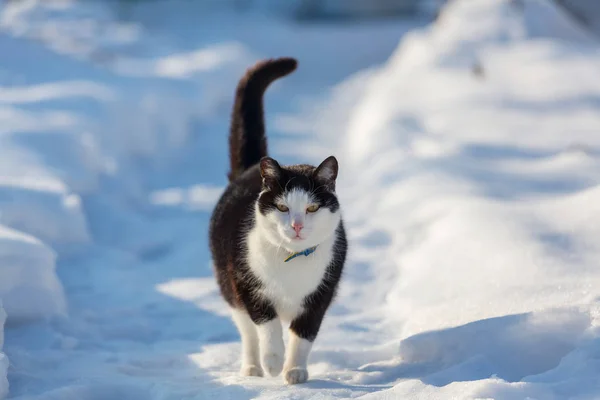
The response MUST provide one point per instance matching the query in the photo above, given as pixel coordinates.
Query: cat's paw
(251, 370)
(273, 363)
(296, 375)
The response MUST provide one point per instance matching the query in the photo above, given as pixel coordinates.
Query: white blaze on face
(297, 201)
(317, 226)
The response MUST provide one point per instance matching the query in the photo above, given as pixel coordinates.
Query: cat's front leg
(296, 362)
(272, 350)
(303, 331)
(268, 331)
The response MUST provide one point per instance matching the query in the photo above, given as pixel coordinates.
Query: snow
(584, 11)
(469, 181)
(3, 359)
(29, 288)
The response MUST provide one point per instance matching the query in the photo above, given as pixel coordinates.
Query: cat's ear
(327, 172)
(270, 171)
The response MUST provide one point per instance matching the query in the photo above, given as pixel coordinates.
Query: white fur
(295, 369)
(277, 228)
(286, 284)
(272, 350)
(327, 171)
(250, 346)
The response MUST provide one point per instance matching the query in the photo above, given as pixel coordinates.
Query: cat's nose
(297, 226)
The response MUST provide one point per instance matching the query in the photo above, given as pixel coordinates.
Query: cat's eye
(312, 208)
(282, 208)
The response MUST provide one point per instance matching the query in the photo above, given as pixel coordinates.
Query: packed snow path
(470, 173)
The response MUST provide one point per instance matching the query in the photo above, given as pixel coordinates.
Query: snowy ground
(470, 180)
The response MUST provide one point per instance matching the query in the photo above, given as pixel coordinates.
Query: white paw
(296, 375)
(273, 363)
(251, 370)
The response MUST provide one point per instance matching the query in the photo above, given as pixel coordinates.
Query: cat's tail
(247, 141)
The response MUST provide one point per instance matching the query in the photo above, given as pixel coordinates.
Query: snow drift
(3, 359)
(477, 143)
(29, 288)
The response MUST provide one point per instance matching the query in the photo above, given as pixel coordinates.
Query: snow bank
(81, 32)
(476, 143)
(48, 215)
(63, 133)
(44, 165)
(3, 359)
(29, 288)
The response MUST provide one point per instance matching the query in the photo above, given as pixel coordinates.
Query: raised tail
(247, 141)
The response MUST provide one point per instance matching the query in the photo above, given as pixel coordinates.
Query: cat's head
(298, 208)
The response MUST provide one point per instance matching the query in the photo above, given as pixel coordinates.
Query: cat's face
(298, 208)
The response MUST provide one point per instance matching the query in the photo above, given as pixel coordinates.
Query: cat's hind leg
(250, 345)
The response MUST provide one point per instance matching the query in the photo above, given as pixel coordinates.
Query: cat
(277, 239)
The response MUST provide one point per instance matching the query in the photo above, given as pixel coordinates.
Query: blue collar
(306, 252)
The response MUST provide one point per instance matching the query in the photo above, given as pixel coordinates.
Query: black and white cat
(276, 237)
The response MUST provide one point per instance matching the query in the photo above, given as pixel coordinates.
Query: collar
(306, 252)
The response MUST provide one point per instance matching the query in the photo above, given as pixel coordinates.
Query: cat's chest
(286, 284)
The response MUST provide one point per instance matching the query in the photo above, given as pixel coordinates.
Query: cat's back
(233, 215)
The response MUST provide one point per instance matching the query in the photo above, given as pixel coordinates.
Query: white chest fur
(286, 284)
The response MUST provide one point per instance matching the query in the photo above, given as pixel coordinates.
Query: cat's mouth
(297, 236)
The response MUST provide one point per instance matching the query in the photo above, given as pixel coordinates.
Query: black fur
(298, 177)
(234, 213)
(247, 141)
